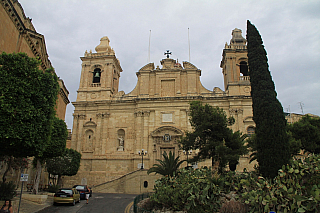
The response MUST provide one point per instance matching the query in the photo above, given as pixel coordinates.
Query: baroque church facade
(111, 128)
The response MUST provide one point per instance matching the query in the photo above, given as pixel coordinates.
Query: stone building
(111, 128)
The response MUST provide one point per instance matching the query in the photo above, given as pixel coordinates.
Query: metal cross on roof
(168, 53)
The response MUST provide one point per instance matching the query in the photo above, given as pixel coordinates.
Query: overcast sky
(290, 30)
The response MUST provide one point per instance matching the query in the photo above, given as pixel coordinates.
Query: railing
(244, 78)
(238, 47)
(96, 85)
(137, 199)
(90, 54)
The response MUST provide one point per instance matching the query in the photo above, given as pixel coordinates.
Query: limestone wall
(136, 182)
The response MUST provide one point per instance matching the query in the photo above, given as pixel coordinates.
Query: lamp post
(142, 153)
(189, 152)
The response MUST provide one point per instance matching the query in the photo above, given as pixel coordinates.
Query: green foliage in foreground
(7, 190)
(295, 189)
(192, 190)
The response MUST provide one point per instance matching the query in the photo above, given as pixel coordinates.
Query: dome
(237, 38)
(104, 45)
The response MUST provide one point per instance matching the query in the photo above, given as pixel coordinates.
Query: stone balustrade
(244, 78)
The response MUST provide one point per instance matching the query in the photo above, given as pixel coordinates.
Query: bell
(97, 75)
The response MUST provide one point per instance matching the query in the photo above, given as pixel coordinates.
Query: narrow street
(98, 203)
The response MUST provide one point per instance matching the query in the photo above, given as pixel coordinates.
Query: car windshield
(80, 187)
(68, 191)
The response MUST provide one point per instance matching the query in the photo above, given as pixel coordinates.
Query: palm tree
(168, 166)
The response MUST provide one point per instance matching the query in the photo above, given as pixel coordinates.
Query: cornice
(64, 96)
(163, 99)
(27, 33)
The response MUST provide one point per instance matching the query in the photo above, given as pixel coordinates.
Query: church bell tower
(100, 73)
(234, 66)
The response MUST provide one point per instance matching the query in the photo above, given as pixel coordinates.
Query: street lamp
(142, 153)
(189, 152)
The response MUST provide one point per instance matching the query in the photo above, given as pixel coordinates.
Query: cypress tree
(272, 141)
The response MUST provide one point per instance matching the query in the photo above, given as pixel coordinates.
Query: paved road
(98, 203)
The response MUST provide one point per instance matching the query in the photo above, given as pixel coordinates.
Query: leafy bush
(294, 189)
(53, 188)
(192, 190)
(239, 182)
(7, 190)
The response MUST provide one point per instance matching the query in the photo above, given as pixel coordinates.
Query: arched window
(250, 131)
(96, 75)
(244, 68)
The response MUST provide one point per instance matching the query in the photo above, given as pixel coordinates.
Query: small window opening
(96, 75)
(145, 184)
(89, 136)
(250, 131)
(244, 68)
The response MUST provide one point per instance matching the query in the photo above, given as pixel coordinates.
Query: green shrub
(192, 190)
(294, 189)
(238, 181)
(53, 188)
(7, 190)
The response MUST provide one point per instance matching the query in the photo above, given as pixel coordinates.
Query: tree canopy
(27, 105)
(307, 131)
(272, 140)
(168, 166)
(66, 164)
(211, 136)
(57, 143)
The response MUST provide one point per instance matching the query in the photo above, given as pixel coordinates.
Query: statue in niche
(121, 143)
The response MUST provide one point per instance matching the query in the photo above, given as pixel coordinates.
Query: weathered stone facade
(111, 127)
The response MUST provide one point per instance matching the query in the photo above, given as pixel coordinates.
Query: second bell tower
(100, 73)
(234, 66)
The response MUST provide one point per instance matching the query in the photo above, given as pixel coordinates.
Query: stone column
(79, 118)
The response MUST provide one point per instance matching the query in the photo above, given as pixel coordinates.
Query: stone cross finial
(168, 53)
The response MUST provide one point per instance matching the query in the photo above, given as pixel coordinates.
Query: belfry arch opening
(244, 68)
(96, 75)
